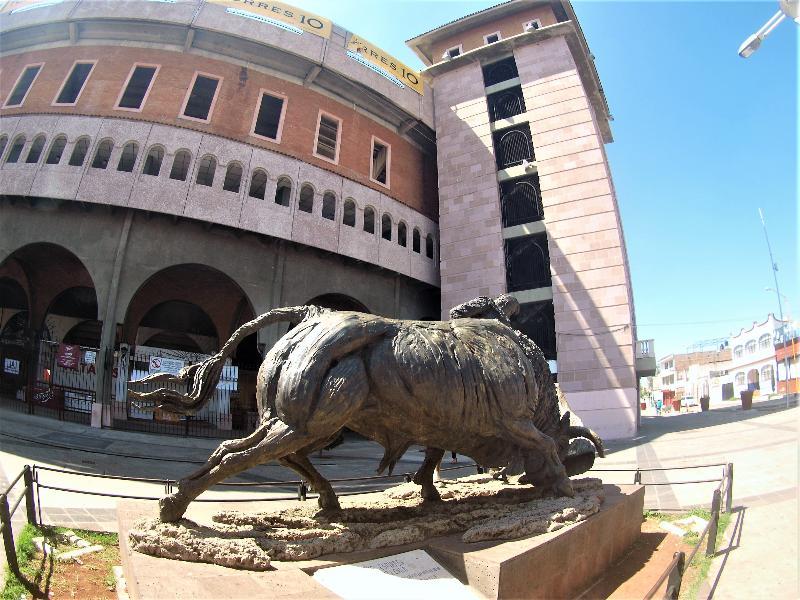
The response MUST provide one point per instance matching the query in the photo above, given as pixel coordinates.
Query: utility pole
(774, 267)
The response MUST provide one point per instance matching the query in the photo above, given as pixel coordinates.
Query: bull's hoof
(172, 508)
(431, 494)
(328, 502)
(563, 488)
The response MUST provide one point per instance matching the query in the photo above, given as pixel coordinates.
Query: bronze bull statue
(473, 384)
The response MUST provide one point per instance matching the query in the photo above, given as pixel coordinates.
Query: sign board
(90, 357)
(279, 14)
(69, 356)
(159, 364)
(11, 366)
(368, 53)
(408, 575)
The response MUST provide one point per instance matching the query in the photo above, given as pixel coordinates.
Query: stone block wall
(592, 295)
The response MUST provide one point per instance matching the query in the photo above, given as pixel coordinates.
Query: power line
(693, 322)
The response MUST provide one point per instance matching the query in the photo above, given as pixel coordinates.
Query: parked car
(690, 402)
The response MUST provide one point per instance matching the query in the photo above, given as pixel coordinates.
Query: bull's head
(577, 446)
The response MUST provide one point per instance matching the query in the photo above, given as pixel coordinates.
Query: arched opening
(79, 152)
(180, 316)
(152, 163)
(329, 206)
(3, 143)
(233, 178)
(386, 227)
(753, 380)
(16, 149)
(338, 302)
(103, 154)
(206, 170)
(369, 220)
(35, 153)
(180, 165)
(283, 192)
(349, 213)
(56, 150)
(429, 246)
(415, 241)
(127, 159)
(258, 184)
(402, 234)
(306, 203)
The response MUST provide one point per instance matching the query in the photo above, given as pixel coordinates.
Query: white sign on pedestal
(408, 575)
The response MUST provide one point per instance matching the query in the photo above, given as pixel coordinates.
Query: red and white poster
(69, 356)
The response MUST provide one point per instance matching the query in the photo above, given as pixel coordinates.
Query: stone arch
(338, 302)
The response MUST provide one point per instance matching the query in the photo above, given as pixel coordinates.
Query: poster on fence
(68, 356)
(159, 364)
(11, 366)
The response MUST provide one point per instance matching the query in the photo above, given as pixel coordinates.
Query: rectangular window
(328, 132)
(268, 120)
(199, 102)
(137, 87)
(452, 52)
(381, 157)
(492, 38)
(23, 85)
(74, 83)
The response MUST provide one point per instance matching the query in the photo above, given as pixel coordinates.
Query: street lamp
(787, 8)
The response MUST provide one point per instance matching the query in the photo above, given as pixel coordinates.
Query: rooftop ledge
(491, 52)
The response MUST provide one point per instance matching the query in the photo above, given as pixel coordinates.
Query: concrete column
(102, 410)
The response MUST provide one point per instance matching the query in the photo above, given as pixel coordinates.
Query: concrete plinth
(560, 564)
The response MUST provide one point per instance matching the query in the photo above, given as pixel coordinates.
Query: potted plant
(704, 403)
(747, 399)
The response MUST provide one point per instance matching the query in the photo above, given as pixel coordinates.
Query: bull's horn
(584, 432)
(576, 464)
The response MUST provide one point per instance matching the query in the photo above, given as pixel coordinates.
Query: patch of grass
(42, 570)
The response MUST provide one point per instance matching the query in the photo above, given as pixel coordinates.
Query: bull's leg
(424, 476)
(278, 441)
(229, 446)
(544, 467)
(300, 463)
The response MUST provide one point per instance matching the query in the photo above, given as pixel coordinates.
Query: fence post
(302, 490)
(729, 490)
(712, 527)
(676, 577)
(8, 535)
(30, 506)
(637, 477)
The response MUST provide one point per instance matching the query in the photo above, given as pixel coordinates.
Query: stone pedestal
(560, 564)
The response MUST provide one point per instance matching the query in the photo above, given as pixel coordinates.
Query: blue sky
(702, 137)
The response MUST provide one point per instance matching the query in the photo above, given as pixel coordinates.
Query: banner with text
(279, 14)
(370, 53)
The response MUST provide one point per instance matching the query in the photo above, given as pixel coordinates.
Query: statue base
(559, 564)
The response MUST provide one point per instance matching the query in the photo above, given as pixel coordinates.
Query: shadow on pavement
(733, 543)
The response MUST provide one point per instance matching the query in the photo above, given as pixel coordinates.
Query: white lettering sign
(11, 366)
(159, 364)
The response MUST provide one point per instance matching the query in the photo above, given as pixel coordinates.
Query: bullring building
(171, 168)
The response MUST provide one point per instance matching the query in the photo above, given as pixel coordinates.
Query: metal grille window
(128, 157)
(16, 149)
(56, 150)
(521, 201)
(73, 86)
(369, 220)
(537, 321)
(765, 341)
(206, 170)
(152, 163)
(258, 184)
(306, 202)
(329, 206)
(103, 154)
(233, 178)
(328, 137)
(180, 165)
(750, 347)
(527, 263)
(386, 227)
(79, 152)
(415, 241)
(283, 192)
(137, 87)
(268, 118)
(513, 146)
(349, 215)
(201, 98)
(500, 71)
(23, 86)
(506, 104)
(35, 153)
(402, 234)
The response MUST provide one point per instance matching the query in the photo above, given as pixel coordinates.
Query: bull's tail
(203, 377)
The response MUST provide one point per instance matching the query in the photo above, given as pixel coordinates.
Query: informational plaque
(69, 356)
(408, 575)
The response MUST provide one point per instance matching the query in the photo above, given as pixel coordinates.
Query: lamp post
(788, 8)
(785, 330)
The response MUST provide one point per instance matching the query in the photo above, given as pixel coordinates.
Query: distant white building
(753, 364)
